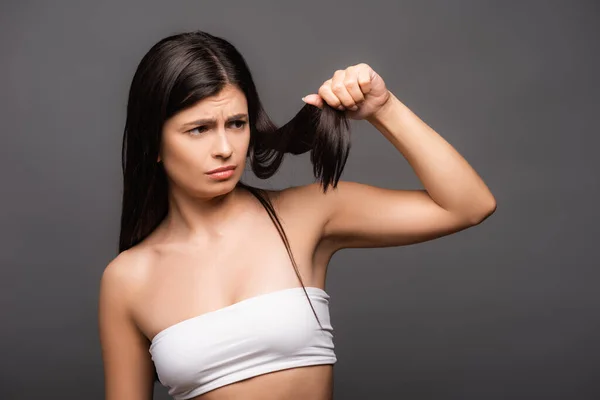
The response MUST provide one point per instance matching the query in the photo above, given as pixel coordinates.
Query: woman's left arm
(447, 177)
(360, 215)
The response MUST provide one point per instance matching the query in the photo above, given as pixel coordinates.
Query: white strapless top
(265, 333)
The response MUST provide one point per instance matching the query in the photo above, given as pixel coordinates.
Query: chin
(223, 187)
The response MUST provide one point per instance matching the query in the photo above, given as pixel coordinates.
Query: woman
(218, 290)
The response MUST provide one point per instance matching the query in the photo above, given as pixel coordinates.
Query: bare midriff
(303, 383)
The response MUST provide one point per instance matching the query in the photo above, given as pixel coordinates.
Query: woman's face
(211, 134)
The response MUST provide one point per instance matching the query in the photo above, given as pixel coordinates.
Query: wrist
(392, 107)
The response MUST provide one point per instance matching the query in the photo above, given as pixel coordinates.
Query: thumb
(313, 99)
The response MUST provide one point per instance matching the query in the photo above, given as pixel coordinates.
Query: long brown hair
(176, 73)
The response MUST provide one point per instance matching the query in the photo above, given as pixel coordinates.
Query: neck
(201, 218)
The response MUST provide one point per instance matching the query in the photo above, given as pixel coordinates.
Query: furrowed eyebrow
(212, 120)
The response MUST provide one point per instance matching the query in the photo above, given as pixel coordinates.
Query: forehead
(221, 106)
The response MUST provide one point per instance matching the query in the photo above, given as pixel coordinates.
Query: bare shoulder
(128, 369)
(307, 196)
(312, 199)
(127, 270)
(304, 202)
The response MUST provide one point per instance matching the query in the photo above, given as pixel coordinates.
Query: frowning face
(211, 134)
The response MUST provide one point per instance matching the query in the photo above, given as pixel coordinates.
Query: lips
(221, 169)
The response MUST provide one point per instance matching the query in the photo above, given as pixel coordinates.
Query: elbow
(486, 211)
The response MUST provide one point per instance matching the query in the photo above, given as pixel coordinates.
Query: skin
(217, 246)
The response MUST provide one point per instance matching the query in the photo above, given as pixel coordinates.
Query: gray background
(508, 309)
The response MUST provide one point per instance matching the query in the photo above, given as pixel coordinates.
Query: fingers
(350, 85)
(347, 88)
(327, 94)
(365, 74)
(313, 99)
(340, 79)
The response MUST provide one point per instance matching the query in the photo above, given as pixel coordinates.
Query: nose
(221, 147)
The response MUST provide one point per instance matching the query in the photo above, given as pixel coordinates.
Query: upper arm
(128, 367)
(359, 215)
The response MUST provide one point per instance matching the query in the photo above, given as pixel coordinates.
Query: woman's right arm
(128, 367)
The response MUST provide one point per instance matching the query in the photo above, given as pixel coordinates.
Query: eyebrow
(212, 120)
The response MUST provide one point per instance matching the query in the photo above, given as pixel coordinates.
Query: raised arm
(128, 367)
(359, 215)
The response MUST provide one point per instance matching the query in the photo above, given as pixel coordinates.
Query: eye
(243, 123)
(195, 129)
(241, 126)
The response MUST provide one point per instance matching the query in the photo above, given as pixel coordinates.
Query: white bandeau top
(265, 333)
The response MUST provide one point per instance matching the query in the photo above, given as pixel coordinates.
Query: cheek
(184, 162)
(239, 142)
(187, 153)
(244, 142)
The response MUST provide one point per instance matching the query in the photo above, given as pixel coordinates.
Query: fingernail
(341, 108)
(303, 99)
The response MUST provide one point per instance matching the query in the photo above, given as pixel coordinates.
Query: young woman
(218, 288)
